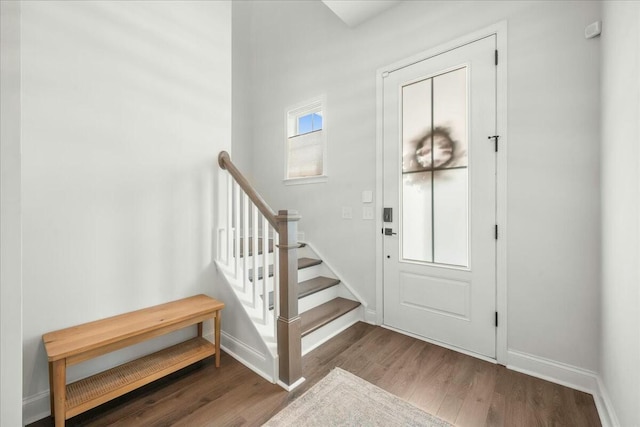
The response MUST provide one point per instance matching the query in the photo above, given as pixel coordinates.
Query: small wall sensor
(593, 30)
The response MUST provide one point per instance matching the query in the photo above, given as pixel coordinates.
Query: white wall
(10, 221)
(125, 106)
(301, 50)
(241, 89)
(620, 367)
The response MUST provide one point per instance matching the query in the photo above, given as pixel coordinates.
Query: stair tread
(302, 263)
(325, 313)
(309, 287)
(316, 284)
(308, 262)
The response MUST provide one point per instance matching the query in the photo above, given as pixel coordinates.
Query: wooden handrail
(288, 323)
(225, 163)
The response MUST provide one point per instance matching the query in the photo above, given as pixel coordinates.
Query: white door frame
(500, 30)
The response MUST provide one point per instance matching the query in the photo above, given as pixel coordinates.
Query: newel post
(289, 323)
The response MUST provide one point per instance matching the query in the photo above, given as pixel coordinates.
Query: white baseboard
(370, 316)
(553, 371)
(604, 405)
(569, 376)
(292, 386)
(250, 357)
(35, 407)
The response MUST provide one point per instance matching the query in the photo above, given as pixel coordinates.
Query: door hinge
(496, 231)
(495, 140)
(496, 56)
(496, 319)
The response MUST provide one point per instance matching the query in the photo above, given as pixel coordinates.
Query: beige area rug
(342, 399)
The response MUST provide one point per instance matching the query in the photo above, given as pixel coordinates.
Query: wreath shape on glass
(443, 149)
(419, 156)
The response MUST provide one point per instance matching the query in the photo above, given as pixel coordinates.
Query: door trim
(500, 30)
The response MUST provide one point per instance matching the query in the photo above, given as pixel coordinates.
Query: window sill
(306, 180)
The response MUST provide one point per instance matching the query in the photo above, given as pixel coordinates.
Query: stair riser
(307, 252)
(311, 272)
(314, 300)
(331, 329)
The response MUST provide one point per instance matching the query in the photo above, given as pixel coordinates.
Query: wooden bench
(83, 342)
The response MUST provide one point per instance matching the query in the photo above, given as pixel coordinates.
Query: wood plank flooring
(460, 389)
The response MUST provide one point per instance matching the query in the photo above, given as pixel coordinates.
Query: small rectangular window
(305, 153)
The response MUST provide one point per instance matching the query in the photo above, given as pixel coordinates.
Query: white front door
(440, 184)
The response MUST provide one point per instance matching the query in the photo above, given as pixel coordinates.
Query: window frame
(292, 114)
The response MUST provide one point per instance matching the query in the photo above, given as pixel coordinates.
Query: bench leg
(59, 391)
(200, 329)
(217, 338)
(52, 404)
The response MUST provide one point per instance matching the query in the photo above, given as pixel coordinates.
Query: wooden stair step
(319, 316)
(308, 262)
(309, 287)
(302, 263)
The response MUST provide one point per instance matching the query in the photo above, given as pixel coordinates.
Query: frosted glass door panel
(451, 217)
(416, 229)
(417, 232)
(416, 123)
(450, 117)
(435, 179)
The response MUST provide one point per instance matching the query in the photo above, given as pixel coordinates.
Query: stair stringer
(241, 337)
(347, 291)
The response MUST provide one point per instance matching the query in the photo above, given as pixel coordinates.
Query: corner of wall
(569, 376)
(10, 216)
(604, 405)
(620, 176)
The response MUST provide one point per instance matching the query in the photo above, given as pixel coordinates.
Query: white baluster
(265, 264)
(229, 231)
(237, 228)
(255, 257)
(276, 280)
(245, 242)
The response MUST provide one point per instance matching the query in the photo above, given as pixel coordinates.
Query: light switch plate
(367, 196)
(347, 212)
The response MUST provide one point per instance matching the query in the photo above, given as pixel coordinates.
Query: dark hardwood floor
(460, 389)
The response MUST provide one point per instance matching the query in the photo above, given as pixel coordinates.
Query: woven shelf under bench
(100, 388)
(83, 342)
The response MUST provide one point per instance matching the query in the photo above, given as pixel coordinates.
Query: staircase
(325, 304)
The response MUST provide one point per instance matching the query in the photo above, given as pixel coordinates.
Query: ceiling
(355, 12)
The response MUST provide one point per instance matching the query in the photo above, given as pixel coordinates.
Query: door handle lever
(389, 232)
